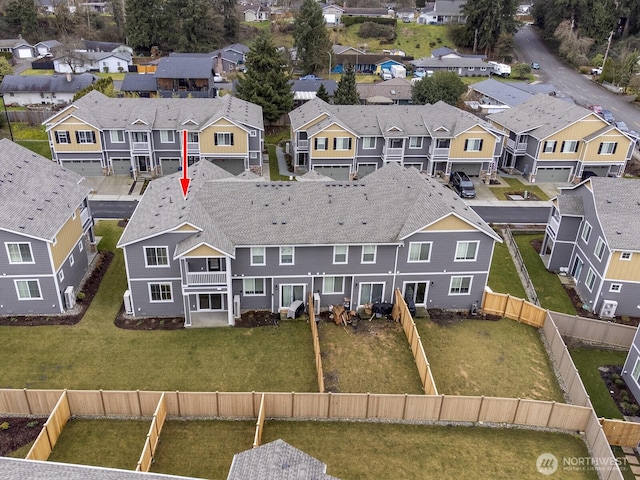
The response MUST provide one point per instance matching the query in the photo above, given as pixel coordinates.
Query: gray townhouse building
(98, 135)
(46, 233)
(351, 141)
(240, 244)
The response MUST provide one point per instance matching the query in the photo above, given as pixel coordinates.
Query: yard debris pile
(341, 316)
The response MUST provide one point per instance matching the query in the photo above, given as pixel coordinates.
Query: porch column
(230, 318)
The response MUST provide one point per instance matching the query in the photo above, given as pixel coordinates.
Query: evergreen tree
(145, 23)
(346, 93)
(445, 86)
(322, 93)
(264, 82)
(194, 26)
(22, 16)
(487, 19)
(7, 69)
(311, 38)
(230, 21)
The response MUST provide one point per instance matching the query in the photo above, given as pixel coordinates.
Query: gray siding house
(592, 235)
(97, 135)
(236, 244)
(46, 231)
(463, 66)
(631, 368)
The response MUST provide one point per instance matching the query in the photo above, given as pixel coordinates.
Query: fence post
(178, 402)
(139, 403)
(440, 409)
(26, 397)
(404, 407)
(329, 406)
(553, 405)
(104, 409)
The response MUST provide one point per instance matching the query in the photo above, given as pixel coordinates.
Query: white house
(107, 62)
(43, 89)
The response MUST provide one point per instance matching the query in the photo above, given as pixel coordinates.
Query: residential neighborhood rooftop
(46, 83)
(38, 195)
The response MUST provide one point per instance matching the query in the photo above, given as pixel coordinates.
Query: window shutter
(481, 140)
(93, 137)
(57, 139)
(335, 142)
(349, 143)
(562, 147)
(315, 143)
(232, 139)
(615, 145)
(215, 139)
(555, 144)
(600, 149)
(77, 137)
(466, 145)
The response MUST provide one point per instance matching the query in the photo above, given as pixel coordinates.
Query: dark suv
(463, 185)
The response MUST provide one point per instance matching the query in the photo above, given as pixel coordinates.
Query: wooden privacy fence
(619, 432)
(153, 437)
(400, 313)
(316, 344)
(32, 117)
(594, 330)
(257, 439)
(512, 307)
(51, 430)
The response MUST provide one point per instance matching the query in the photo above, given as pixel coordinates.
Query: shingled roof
(163, 113)
(46, 83)
(38, 196)
(384, 207)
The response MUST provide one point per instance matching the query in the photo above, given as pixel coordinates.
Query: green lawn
(374, 358)
(515, 185)
(274, 172)
(33, 71)
(202, 449)
(102, 443)
(114, 75)
(359, 451)
(492, 358)
(503, 276)
(95, 354)
(551, 293)
(587, 361)
(24, 131)
(38, 146)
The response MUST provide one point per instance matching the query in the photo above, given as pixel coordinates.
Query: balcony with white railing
(193, 147)
(206, 278)
(84, 216)
(516, 146)
(390, 154)
(303, 145)
(141, 147)
(440, 153)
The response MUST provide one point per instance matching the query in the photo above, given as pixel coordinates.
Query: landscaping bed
(89, 289)
(16, 432)
(620, 393)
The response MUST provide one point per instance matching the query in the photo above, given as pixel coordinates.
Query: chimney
(68, 76)
(219, 66)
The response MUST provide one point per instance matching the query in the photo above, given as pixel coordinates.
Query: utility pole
(475, 41)
(606, 53)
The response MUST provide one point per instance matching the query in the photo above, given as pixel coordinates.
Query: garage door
(599, 171)
(330, 18)
(365, 169)
(121, 166)
(337, 172)
(231, 165)
(84, 167)
(25, 53)
(170, 165)
(556, 174)
(471, 169)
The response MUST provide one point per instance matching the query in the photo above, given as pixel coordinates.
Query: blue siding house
(240, 244)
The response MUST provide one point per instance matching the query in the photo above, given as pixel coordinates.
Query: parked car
(535, 66)
(217, 78)
(462, 184)
(622, 127)
(596, 71)
(310, 77)
(608, 116)
(596, 108)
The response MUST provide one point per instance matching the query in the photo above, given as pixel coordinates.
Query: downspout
(395, 272)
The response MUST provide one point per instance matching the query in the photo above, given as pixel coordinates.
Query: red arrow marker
(185, 180)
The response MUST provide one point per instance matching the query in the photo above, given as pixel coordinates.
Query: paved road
(523, 215)
(569, 82)
(112, 209)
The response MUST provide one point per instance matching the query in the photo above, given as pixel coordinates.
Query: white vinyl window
(569, 146)
(60, 275)
(253, 133)
(615, 287)
(156, 256)
(550, 146)
(368, 143)
(636, 371)
(28, 289)
(460, 285)
(369, 253)
(340, 254)
(224, 139)
(625, 256)
(332, 285)
(85, 136)
(591, 279)
(607, 148)
(473, 145)
(71, 260)
(320, 143)
(117, 136)
(586, 232)
(415, 142)
(371, 292)
(253, 286)
(19, 252)
(287, 255)
(419, 252)
(342, 143)
(62, 136)
(81, 246)
(466, 251)
(258, 256)
(600, 246)
(167, 136)
(160, 292)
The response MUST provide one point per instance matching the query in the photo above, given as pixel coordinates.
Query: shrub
(624, 393)
(80, 296)
(32, 424)
(625, 319)
(634, 409)
(619, 382)
(348, 21)
(5, 426)
(615, 376)
(625, 398)
(375, 30)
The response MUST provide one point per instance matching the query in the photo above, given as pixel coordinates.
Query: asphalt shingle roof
(502, 92)
(164, 113)
(135, 82)
(617, 204)
(570, 205)
(46, 83)
(38, 196)
(176, 66)
(541, 116)
(428, 62)
(384, 207)
(396, 88)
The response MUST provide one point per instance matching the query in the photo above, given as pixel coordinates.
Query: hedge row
(348, 21)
